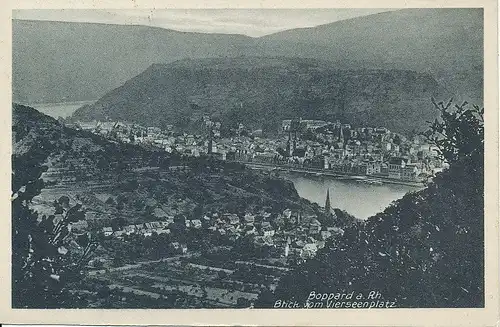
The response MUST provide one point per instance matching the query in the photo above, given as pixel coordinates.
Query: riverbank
(370, 179)
(62, 109)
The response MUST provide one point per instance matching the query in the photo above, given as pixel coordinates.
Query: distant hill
(62, 61)
(260, 92)
(56, 61)
(447, 43)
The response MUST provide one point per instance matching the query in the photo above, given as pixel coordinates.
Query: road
(262, 265)
(141, 263)
(229, 271)
(259, 165)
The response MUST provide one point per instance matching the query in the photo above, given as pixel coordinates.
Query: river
(359, 199)
(62, 109)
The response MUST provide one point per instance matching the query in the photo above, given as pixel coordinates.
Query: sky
(251, 22)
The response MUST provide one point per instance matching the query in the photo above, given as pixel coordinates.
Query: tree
(459, 134)
(242, 303)
(222, 274)
(118, 223)
(397, 139)
(42, 266)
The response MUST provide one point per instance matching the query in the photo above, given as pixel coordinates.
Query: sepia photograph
(249, 158)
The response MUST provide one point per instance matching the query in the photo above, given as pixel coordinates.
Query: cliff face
(261, 92)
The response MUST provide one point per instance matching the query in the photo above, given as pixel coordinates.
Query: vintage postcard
(250, 163)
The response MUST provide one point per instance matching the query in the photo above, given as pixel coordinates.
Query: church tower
(327, 202)
(288, 148)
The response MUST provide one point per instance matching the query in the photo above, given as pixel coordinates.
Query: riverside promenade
(369, 179)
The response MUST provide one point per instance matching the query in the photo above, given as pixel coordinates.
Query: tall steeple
(327, 202)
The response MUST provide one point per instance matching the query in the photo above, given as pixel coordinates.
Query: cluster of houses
(146, 229)
(358, 151)
(290, 231)
(124, 132)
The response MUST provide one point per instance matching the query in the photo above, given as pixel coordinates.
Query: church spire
(327, 202)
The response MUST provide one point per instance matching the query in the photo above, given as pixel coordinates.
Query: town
(312, 145)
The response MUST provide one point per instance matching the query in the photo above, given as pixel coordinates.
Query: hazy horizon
(250, 22)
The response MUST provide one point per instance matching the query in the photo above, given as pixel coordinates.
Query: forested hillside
(260, 92)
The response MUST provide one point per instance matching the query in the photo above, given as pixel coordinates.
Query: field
(190, 277)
